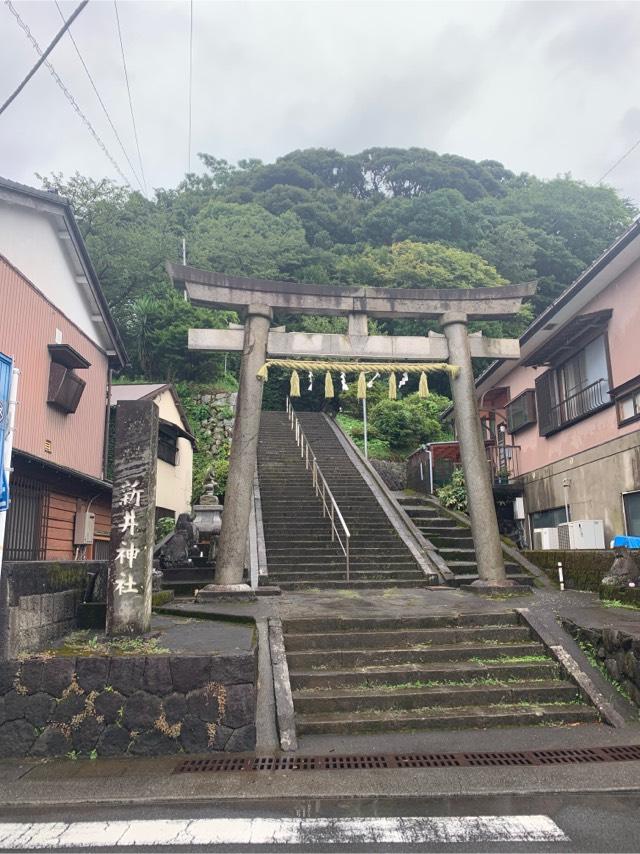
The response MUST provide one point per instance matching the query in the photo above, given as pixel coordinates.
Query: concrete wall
(598, 477)
(128, 705)
(39, 602)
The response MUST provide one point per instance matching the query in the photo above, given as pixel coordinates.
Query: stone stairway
(452, 671)
(300, 553)
(453, 541)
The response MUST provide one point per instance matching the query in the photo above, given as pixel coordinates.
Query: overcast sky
(546, 88)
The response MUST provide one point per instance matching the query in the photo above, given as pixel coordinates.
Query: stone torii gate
(257, 299)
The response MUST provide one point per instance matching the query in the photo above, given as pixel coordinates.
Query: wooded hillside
(386, 216)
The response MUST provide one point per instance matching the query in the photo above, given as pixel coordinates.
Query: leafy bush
(454, 494)
(391, 420)
(164, 526)
(410, 421)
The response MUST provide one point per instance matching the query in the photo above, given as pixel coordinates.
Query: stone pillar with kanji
(133, 509)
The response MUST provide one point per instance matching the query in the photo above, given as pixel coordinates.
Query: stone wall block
(31, 675)
(190, 672)
(47, 608)
(108, 705)
(175, 708)
(240, 706)
(610, 639)
(194, 735)
(68, 707)
(153, 743)
(125, 674)
(57, 675)
(38, 709)
(204, 704)
(612, 667)
(92, 673)
(243, 739)
(157, 675)
(233, 669)
(14, 705)
(16, 738)
(113, 741)
(3, 714)
(54, 741)
(85, 736)
(8, 672)
(630, 662)
(141, 710)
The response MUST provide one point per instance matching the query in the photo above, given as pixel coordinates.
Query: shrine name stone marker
(132, 518)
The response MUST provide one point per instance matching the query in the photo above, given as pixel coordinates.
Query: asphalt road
(530, 823)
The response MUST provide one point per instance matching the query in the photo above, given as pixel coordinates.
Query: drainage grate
(573, 756)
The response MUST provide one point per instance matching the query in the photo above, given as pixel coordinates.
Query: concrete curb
(421, 549)
(613, 708)
(282, 687)
(266, 726)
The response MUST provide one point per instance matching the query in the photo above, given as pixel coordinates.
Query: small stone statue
(624, 572)
(177, 551)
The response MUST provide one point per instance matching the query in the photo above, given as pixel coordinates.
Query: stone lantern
(208, 516)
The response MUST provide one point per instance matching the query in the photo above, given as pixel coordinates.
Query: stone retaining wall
(618, 651)
(394, 474)
(128, 705)
(218, 425)
(39, 602)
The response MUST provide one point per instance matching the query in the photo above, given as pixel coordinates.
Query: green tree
(247, 240)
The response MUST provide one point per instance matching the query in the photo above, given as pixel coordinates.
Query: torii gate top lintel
(218, 290)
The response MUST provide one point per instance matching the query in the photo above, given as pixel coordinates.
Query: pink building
(566, 416)
(55, 324)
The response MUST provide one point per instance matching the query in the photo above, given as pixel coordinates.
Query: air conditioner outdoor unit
(84, 528)
(545, 539)
(583, 534)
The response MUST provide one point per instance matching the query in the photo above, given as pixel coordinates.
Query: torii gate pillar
(484, 523)
(244, 449)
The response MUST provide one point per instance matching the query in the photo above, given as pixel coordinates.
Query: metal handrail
(320, 485)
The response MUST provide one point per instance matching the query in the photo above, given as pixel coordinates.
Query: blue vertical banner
(6, 372)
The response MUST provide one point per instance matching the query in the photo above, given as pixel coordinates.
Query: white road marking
(56, 836)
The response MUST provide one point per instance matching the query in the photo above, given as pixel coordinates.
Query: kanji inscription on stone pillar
(132, 518)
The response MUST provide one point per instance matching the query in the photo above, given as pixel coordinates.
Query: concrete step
(424, 655)
(470, 717)
(392, 584)
(399, 624)
(372, 573)
(333, 560)
(397, 697)
(403, 674)
(409, 638)
(469, 578)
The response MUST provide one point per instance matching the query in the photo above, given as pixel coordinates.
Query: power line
(126, 78)
(619, 160)
(67, 93)
(43, 56)
(95, 89)
(190, 80)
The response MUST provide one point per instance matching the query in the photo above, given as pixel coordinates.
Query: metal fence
(26, 531)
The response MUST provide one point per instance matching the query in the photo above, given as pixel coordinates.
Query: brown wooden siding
(28, 323)
(61, 520)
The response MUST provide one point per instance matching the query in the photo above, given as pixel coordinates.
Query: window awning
(569, 338)
(176, 430)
